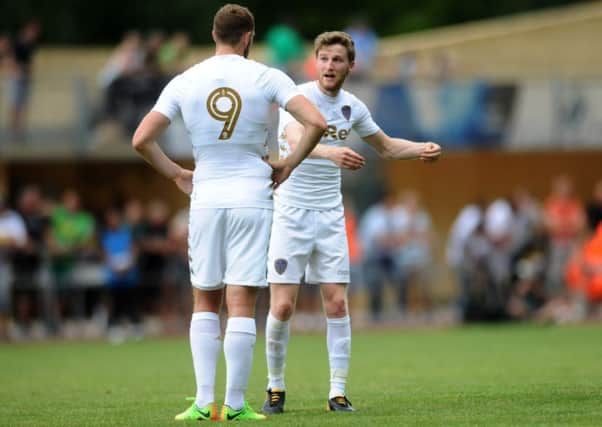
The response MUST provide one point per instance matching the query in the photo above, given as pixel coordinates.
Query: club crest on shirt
(280, 265)
(346, 110)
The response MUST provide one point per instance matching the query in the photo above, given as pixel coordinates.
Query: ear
(351, 65)
(214, 35)
(247, 37)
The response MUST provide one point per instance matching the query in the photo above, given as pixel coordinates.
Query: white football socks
(276, 342)
(205, 345)
(239, 341)
(338, 339)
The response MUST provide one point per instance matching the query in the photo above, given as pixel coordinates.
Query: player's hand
(184, 181)
(281, 170)
(431, 152)
(346, 158)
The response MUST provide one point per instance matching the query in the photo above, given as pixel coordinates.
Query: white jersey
(225, 102)
(316, 183)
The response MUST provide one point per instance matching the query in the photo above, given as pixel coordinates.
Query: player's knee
(283, 310)
(336, 307)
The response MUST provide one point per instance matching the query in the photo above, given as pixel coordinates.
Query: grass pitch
(501, 375)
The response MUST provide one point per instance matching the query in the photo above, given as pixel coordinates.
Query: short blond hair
(330, 38)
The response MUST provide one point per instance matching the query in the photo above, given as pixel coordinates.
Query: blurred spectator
(584, 272)
(154, 249)
(175, 292)
(126, 59)
(285, 48)
(154, 44)
(71, 240)
(415, 253)
(527, 219)
(486, 265)
(366, 46)
(13, 236)
(121, 274)
(465, 224)
(130, 95)
(564, 221)
(527, 293)
(27, 262)
(173, 55)
(594, 207)
(20, 76)
(380, 232)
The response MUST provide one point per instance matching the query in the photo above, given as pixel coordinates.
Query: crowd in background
(60, 265)
(518, 259)
(139, 68)
(64, 269)
(135, 74)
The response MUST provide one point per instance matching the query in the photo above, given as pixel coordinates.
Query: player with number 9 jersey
(225, 102)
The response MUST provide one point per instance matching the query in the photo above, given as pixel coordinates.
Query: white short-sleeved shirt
(12, 227)
(316, 183)
(225, 102)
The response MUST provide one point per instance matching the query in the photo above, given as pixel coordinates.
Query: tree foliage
(77, 22)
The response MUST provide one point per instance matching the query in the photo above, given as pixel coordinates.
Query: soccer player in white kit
(308, 232)
(225, 102)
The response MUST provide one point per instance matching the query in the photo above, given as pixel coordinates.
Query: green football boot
(246, 413)
(194, 413)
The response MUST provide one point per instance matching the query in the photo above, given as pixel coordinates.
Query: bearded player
(308, 231)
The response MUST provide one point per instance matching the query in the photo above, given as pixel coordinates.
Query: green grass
(507, 375)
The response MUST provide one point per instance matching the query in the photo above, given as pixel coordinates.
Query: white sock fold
(276, 341)
(205, 345)
(338, 339)
(239, 341)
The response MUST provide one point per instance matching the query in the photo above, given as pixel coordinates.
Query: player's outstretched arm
(343, 157)
(402, 149)
(144, 142)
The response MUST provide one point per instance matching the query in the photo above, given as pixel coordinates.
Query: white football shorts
(228, 246)
(310, 242)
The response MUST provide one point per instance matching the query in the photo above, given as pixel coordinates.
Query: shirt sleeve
(364, 125)
(278, 87)
(168, 103)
